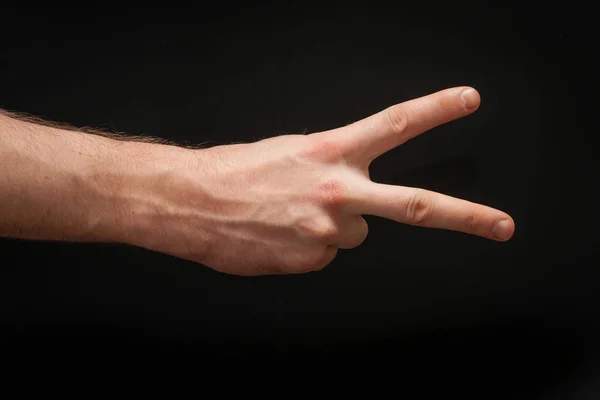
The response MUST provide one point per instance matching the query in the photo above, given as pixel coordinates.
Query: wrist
(132, 189)
(160, 189)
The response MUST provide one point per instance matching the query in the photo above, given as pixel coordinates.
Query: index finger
(393, 126)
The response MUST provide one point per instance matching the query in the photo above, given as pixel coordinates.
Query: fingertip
(470, 98)
(504, 229)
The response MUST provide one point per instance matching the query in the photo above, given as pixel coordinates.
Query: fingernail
(470, 98)
(502, 230)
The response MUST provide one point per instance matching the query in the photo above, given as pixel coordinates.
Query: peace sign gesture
(287, 204)
(367, 139)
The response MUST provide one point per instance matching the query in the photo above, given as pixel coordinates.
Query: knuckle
(320, 229)
(332, 192)
(418, 209)
(328, 233)
(397, 118)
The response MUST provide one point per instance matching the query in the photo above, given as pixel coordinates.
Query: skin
(281, 205)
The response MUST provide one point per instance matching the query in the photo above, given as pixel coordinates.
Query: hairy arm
(58, 182)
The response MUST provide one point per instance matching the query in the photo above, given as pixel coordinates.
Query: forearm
(62, 184)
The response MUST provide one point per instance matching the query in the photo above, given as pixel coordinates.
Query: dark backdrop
(452, 311)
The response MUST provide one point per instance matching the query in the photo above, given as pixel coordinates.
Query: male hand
(288, 203)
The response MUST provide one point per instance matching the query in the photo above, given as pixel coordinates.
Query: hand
(288, 203)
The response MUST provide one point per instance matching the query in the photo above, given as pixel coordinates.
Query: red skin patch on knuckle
(332, 192)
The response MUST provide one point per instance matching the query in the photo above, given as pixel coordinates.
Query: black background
(447, 310)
